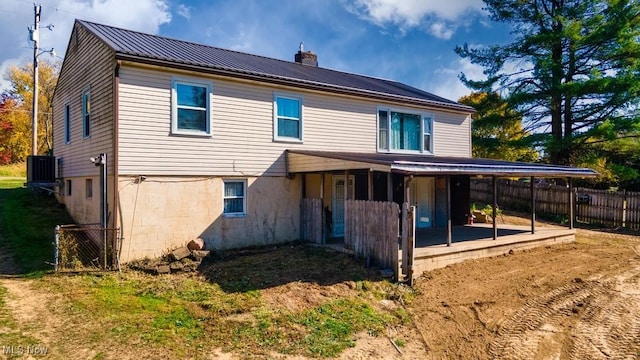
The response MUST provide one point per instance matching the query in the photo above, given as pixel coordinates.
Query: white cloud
(141, 15)
(184, 11)
(444, 15)
(441, 30)
(446, 79)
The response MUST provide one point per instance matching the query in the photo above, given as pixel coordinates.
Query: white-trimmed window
(86, 113)
(404, 131)
(235, 197)
(287, 117)
(67, 123)
(191, 107)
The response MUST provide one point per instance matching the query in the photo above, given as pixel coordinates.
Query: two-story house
(223, 145)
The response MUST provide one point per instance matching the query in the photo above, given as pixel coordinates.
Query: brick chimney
(306, 57)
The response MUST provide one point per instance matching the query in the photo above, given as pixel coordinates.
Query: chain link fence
(86, 248)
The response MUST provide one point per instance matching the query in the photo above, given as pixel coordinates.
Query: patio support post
(495, 205)
(533, 206)
(369, 185)
(323, 233)
(346, 197)
(304, 185)
(448, 210)
(389, 187)
(572, 203)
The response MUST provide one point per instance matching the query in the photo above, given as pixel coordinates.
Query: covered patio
(476, 241)
(436, 238)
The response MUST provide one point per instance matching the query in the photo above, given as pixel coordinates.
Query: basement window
(235, 197)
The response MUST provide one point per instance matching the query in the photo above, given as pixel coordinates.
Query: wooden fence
(311, 220)
(593, 207)
(371, 231)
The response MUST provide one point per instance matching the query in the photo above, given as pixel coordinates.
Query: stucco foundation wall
(160, 213)
(83, 209)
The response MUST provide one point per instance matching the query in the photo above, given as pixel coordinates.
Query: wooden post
(405, 239)
(571, 203)
(369, 185)
(448, 210)
(302, 197)
(533, 206)
(346, 197)
(411, 246)
(495, 204)
(389, 187)
(323, 234)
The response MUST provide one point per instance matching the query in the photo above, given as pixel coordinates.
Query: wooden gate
(371, 231)
(311, 220)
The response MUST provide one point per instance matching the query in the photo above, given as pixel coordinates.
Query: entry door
(422, 196)
(338, 203)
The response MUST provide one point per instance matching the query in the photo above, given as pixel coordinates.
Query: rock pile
(182, 259)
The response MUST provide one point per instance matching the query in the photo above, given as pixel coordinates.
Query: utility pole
(35, 35)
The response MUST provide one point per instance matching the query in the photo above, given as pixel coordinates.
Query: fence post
(572, 203)
(624, 208)
(55, 255)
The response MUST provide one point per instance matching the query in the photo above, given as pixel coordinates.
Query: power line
(27, 111)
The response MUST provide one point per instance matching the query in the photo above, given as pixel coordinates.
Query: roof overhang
(285, 81)
(299, 161)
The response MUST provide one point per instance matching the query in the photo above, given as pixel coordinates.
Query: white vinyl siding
(191, 106)
(91, 63)
(242, 141)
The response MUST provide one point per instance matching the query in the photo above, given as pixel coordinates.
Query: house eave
(280, 80)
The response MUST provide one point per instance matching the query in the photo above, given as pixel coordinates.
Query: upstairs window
(287, 120)
(404, 131)
(191, 107)
(67, 123)
(86, 114)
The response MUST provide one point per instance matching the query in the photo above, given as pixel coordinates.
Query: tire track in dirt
(611, 330)
(585, 319)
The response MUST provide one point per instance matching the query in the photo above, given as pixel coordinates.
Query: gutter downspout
(114, 161)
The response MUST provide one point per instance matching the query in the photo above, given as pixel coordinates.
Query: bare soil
(570, 301)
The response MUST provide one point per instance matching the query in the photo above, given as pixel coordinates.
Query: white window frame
(244, 198)
(67, 122)
(86, 113)
(423, 115)
(300, 100)
(175, 81)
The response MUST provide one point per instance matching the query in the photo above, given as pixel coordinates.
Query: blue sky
(410, 41)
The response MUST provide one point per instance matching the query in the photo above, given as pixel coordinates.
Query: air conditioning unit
(41, 169)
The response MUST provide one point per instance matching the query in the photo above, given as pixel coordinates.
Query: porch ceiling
(300, 161)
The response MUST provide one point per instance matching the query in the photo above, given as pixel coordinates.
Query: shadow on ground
(256, 269)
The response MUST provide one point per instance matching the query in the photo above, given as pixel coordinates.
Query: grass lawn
(293, 299)
(27, 223)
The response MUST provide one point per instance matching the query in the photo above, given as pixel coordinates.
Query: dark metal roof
(152, 49)
(433, 165)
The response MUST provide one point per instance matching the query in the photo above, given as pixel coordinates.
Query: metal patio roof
(299, 161)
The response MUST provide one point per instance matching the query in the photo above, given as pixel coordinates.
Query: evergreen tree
(496, 130)
(572, 71)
